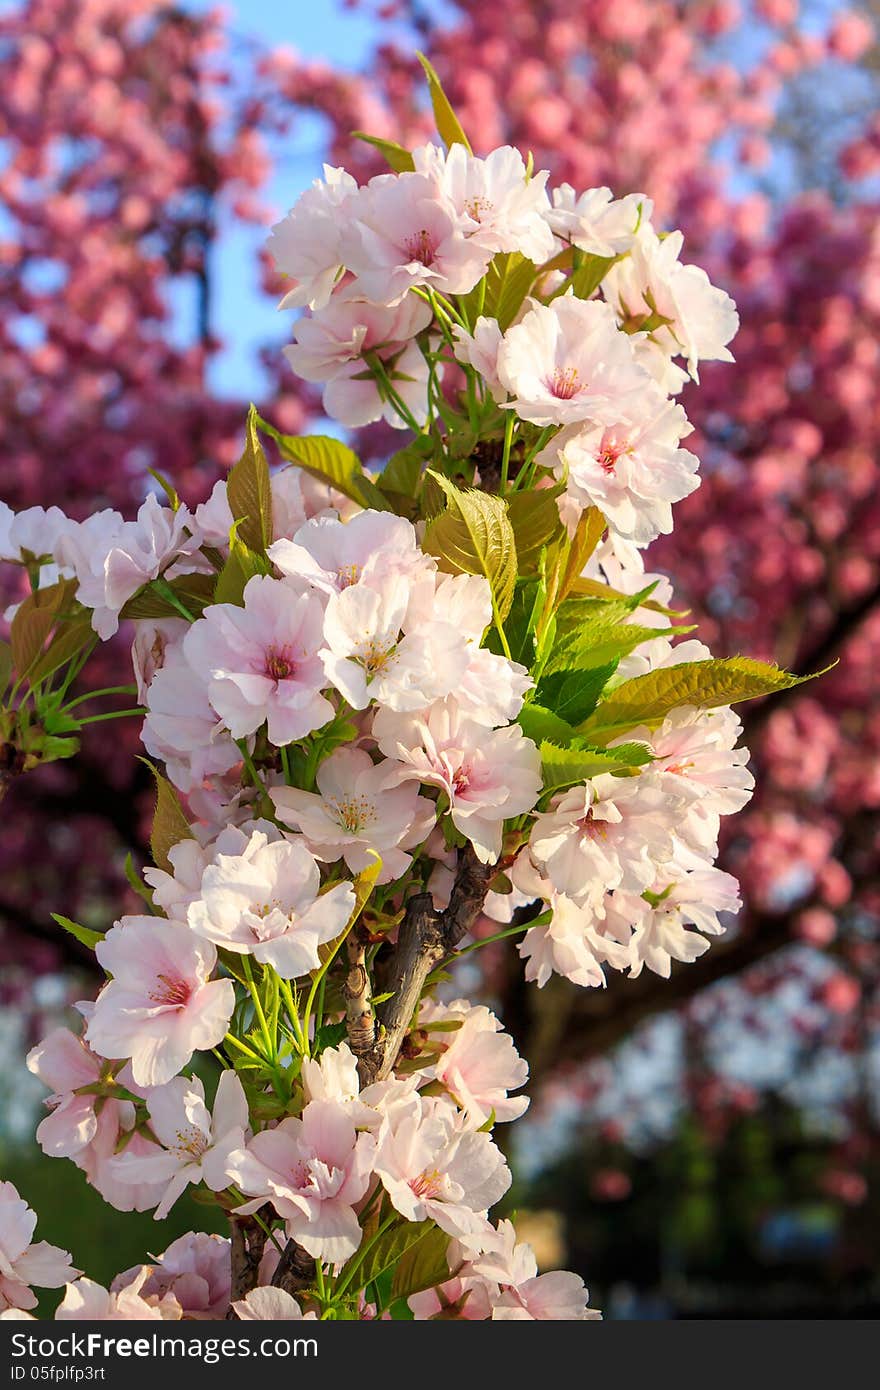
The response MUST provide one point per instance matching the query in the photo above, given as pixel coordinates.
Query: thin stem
(362, 1254)
(170, 596)
(317, 982)
(243, 1047)
(114, 714)
(285, 763)
(108, 690)
(258, 1006)
(509, 428)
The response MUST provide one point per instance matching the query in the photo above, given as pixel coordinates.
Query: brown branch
(247, 1243)
(360, 1021)
(425, 938)
(295, 1269)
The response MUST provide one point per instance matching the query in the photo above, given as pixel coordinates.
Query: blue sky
(243, 316)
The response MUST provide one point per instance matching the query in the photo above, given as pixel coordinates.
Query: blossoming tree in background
(383, 708)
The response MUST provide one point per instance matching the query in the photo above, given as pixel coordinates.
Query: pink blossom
(607, 833)
(183, 729)
(479, 1064)
(333, 346)
(265, 902)
(595, 221)
(305, 244)
(370, 548)
(86, 1301)
(355, 814)
(501, 208)
(488, 775)
(195, 1270)
(368, 657)
(22, 1260)
(313, 1170)
(160, 1004)
(271, 1304)
(651, 282)
(632, 471)
(401, 233)
(434, 1170)
(260, 662)
(113, 558)
(196, 1143)
(567, 362)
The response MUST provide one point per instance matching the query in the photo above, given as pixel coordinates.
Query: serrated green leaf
(170, 825)
(596, 588)
(563, 767)
(84, 934)
(423, 1265)
(448, 124)
(474, 536)
(705, 684)
(536, 523)
(249, 491)
(539, 723)
(330, 461)
(398, 159)
(575, 694)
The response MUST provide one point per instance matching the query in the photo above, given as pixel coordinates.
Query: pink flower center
(564, 383)
(427, 1184)
(607, 460)
(171, 990)
(354, 813)
(420, 247)
(590, 828)
(348, 575)
(191, 1142)
(279, 664)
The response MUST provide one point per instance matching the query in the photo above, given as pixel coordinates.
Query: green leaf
(168, 489)
(401, 477)
(705, 684)
(195, 591)
(448, 124)
(601, 635)
(563, 767)
(330, 461)
(399, 159)
(596, 588)
(241, 566)
(474, 536)
(536, 523)
(508, 280)
(136, 883)
(66, 644)
(575, 694)
(170, 825)
(5, 665)
(589, 274)
(33, 622)
(539, 723)
(249, 491)
(423, 1265)
(84, 934)
(385, 1252)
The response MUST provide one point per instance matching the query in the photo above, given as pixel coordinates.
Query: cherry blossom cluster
(386, 711)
